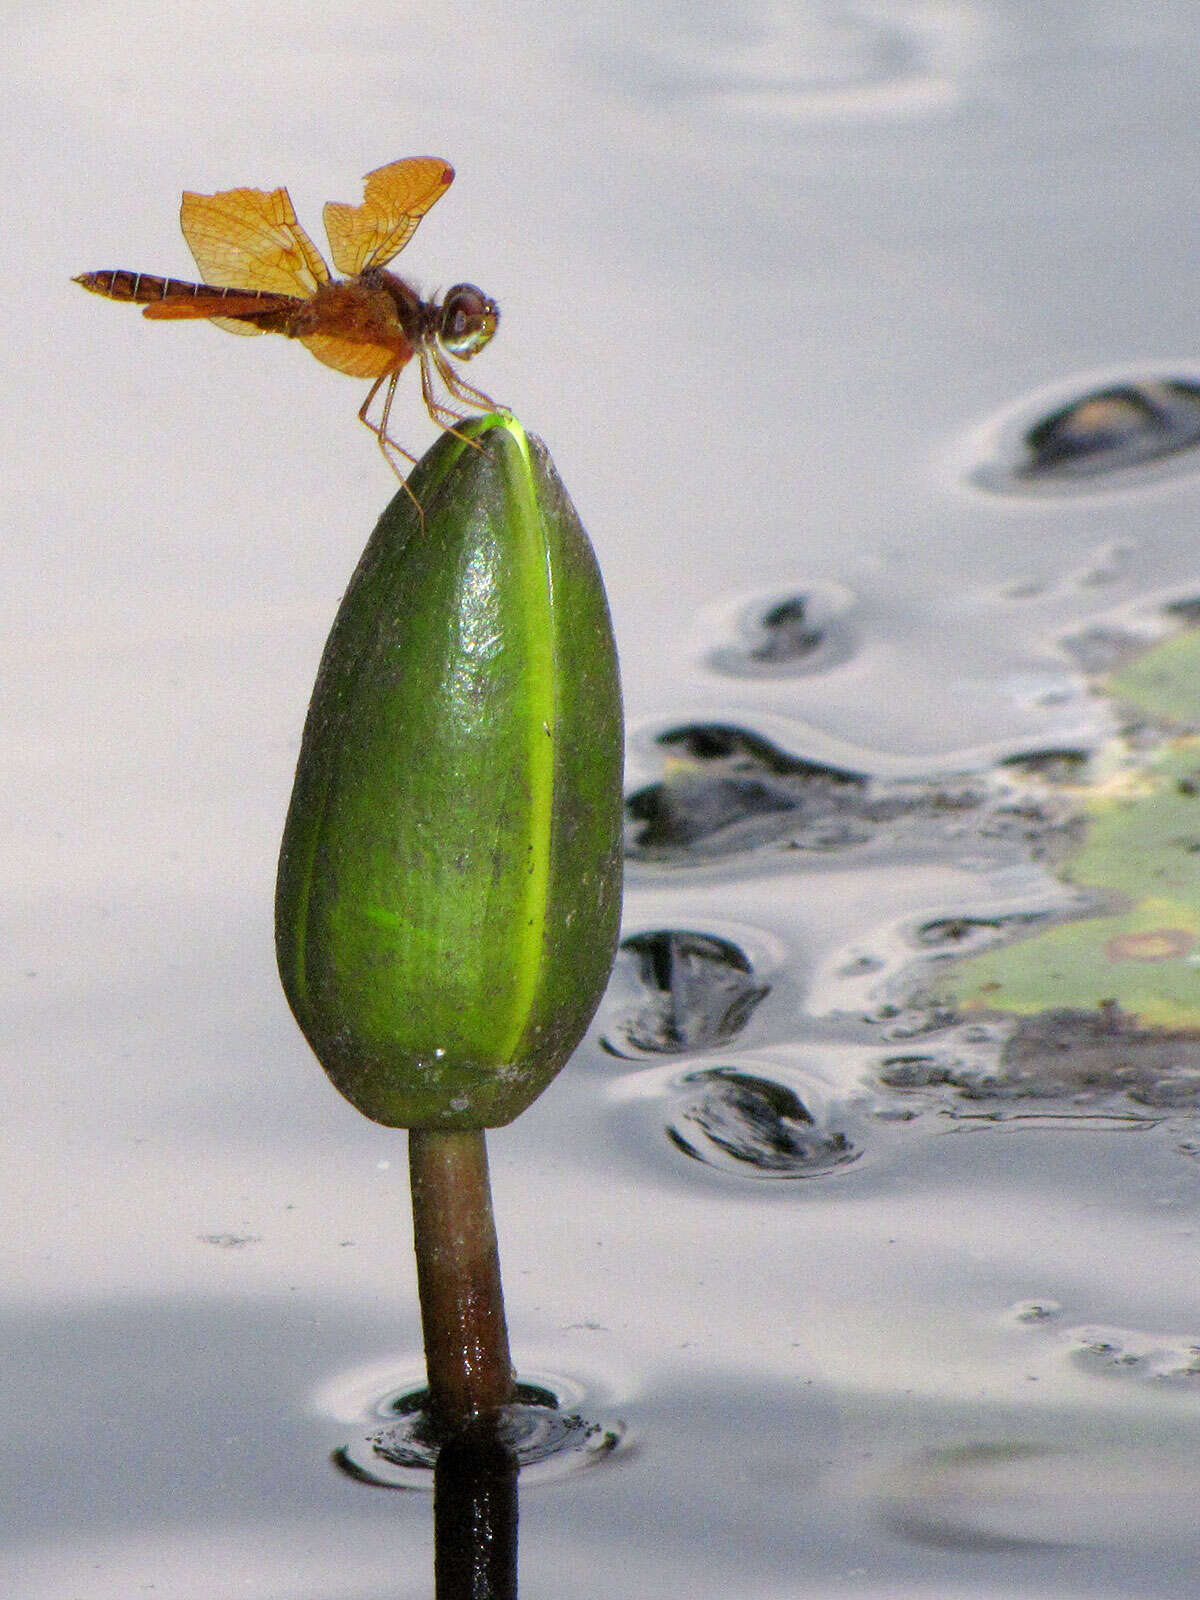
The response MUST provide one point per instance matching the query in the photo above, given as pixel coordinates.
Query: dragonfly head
(468, 321)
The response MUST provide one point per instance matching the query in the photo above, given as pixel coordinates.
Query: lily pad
(1164, 682)
(1140, 859)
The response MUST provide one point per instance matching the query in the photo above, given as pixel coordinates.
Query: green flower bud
(450, 879)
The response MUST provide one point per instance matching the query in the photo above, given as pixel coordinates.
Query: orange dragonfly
(263, 274)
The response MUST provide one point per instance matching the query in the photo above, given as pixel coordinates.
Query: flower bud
(450, 880)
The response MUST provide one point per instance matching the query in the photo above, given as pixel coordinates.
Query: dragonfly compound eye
(469, 320)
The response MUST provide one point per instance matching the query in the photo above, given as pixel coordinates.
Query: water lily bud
(450, 879)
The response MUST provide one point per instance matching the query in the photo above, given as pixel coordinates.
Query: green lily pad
(1140, 858)
(1164, 682)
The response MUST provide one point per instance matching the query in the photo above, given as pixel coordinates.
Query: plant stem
(458, 1275)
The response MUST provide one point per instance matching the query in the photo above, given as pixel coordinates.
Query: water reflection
(475, 1516)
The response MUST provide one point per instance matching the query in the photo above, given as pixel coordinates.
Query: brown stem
(458, 1275)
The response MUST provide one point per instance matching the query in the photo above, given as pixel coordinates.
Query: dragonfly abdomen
(143, 288)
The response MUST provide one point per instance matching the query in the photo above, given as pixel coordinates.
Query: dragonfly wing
(250, 239)
(396, 198)
(232, 325)
(352, 356)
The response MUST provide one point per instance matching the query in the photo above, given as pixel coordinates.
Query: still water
(866, 338)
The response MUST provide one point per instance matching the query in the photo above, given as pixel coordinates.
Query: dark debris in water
(954, 936)
(919, 1071)
(788, 634)
(959, 934)
(1082, 1057)
(726, 789)
(756, 1126)
(1106, 1050)
(678, 991)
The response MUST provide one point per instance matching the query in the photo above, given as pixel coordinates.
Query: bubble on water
(675, 991)
(548, 1425)
(787, 635)
(1109, 429)
(1171, 1360)
(1035, 1311)
(755, 1126)
(1093, 435)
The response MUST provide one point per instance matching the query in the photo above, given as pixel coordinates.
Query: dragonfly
(262, 274)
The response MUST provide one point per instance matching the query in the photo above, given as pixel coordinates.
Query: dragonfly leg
(460, 389)
(382, 438)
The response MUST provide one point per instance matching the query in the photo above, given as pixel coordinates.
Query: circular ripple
(754, 1126)
(1092, 436)
(546, 1426)
(785, 635)
(676, 991)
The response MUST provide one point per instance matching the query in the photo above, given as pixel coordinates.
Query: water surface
(790, 293)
